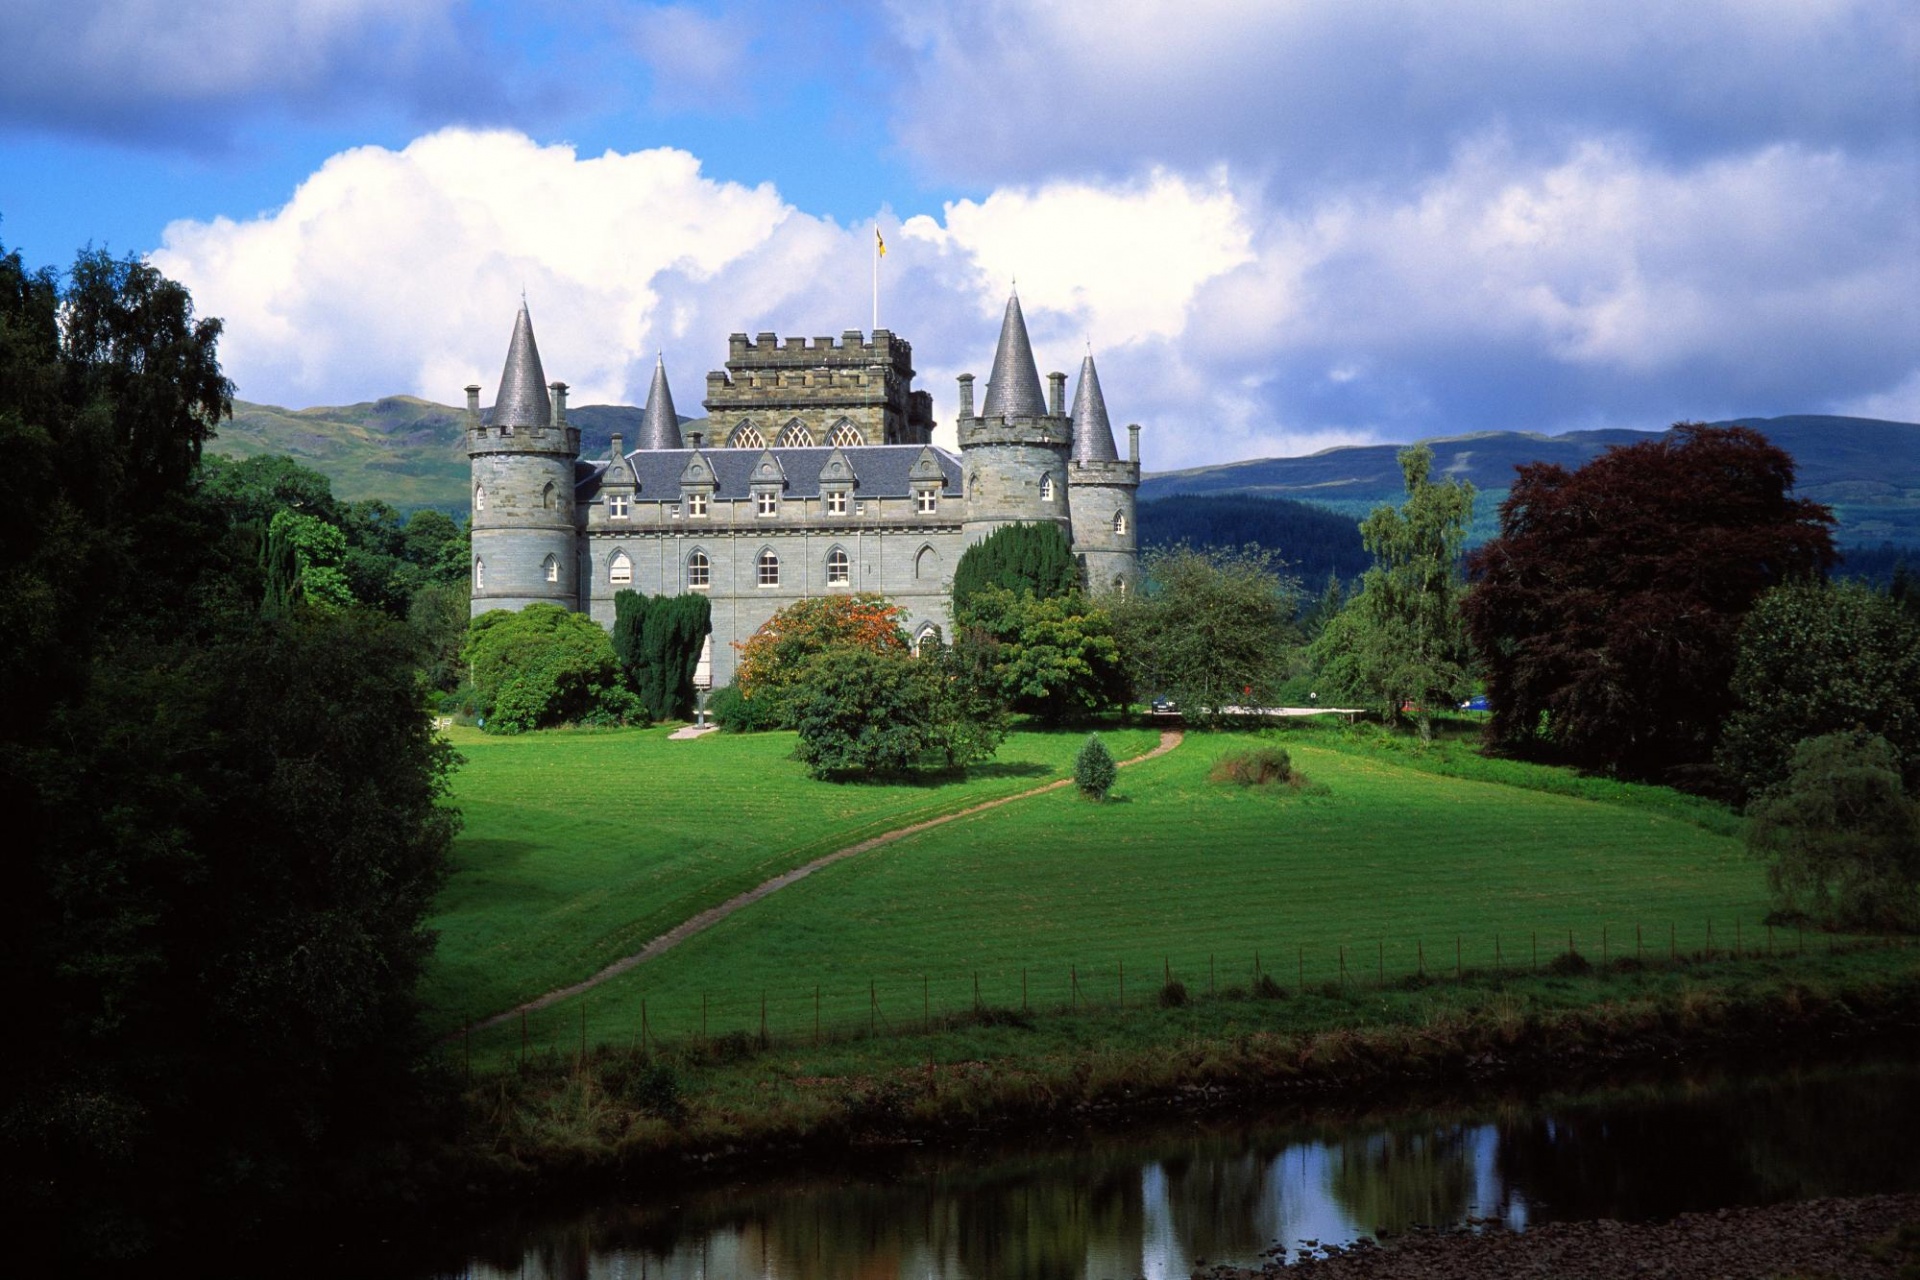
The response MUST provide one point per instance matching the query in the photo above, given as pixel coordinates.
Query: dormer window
(929, 501)
(617, 506)
(696, 506)
(837, 503)
(766, 503)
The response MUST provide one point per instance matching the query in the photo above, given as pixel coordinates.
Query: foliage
(658, 640)
(1316, 542)
(1031, 559)
(1209, 628)
(226, 816)
(735, 713)
(1401, 641)
(772, 658)
(1051, 656)
(1254, 768)
(318, 549)
(439, 614)
(1841, 836)
(1817, 659)
(1606, 612)
(542, 666)
(867, 713)
(1094, 771)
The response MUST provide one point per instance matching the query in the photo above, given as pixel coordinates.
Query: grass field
(580, 847)
(1390, 862)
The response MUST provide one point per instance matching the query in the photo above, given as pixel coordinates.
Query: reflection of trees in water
(1214, 1204)
(1399, 1177)
(1793, 1153)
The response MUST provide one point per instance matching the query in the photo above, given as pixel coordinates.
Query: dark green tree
(1401, 641)
(1052, 656)
(1030, 559)
(658, 641)
(543, 666)
(1841, 836)
(1817, 658)
(862, 713)
(1094, 771)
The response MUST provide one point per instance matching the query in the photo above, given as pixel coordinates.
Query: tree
(1401, 640)
(1208, 628)
(658, 641)
(542, 666)
(864, 712)
(1094, 771)
(1813, 659)
(1606, 612)
(1841, 836)
(1052, 656)
(1032, 559)
(771, 659)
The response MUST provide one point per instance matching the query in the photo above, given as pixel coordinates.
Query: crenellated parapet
(847, 391)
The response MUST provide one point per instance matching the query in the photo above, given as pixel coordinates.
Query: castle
(820, 477)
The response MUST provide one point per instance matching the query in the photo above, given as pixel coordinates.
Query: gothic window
(1120, 587)
(795, 436)
(843, 435)
(479, 575)
(839, 568)
(746, 436)
(617, 507)
(699, 572)
(546, 496)
(926, 565)
(551, 568)
(1046, 488)
(929, 501)
(768, 566)
(1119, 523)
(479, 497)
(766, 503)
(837, 502)
(926, 635)
(620, 570)
(696, 505)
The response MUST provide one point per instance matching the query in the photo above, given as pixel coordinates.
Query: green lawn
(1179, 870)
(580, 847)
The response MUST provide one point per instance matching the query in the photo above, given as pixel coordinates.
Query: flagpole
(876, 275)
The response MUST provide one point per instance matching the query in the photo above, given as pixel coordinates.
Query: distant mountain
(1866, 469)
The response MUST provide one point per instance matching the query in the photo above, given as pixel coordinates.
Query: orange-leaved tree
(770, 661)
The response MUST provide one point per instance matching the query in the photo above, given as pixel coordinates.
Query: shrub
(545, 666)
(1265, 988)
(1254, 768)
(1093, 769)
(1173, 995)
(1569, 964)
(734, 712)
(772, 661)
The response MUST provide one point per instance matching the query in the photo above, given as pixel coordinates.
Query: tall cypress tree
(1026, 559)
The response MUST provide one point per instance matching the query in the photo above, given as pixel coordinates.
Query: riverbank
(1862, 1238)
(563, 1124)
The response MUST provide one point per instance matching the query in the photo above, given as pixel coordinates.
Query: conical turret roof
(659, 425)
(1013, 389)
(522, 401)
(1092, 433)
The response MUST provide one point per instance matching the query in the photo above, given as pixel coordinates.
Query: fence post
(1673, 942)
(1382, 944)
(1536, 951)
(1123, 986)
(1343, 966)
(1569, 942)
(1459, 972)
(1420, 957)
(1498, 964)
(583, 1032)
(1603, 946)
(523, 1037)
(976, 991)
(1073, 988)
(816, 1013)
(1300, 975)
(703, 1015)
(1023, 989)
(1739, 952)
(1209, 975)
(1709, 939)
(873, 1007)
(466, 1043)
(1769, 940)
(643, 1024)
(926, 1004)
(763, 1018)
(1636, 942)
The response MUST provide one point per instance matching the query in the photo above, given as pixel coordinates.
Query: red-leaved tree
(1606, 611)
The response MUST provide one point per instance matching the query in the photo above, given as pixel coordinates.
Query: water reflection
(1163, 1204)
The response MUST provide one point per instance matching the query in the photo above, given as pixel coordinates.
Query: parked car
(1162, 705)
(1476, 703)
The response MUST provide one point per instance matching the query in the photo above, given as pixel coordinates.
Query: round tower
(523, 465)
(1103, 489)
(1014, 452)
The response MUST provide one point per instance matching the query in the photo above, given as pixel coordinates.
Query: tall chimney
(473, 404)
(1057, 394)
(1133, 443)
(619, 447)
(559, 390)
(966, 395)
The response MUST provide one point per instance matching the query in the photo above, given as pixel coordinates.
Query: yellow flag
(879, 243)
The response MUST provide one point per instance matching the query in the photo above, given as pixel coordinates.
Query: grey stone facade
(758, 526)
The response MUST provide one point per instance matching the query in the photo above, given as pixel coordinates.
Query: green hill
(1866, 469)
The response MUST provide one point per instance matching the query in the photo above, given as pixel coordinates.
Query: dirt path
(1169, 739)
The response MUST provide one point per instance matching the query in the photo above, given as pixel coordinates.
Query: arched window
(769, 568)
(1046, 488)
(546, 496)
(479, 497)
(843, 434)
(620, 570)
(795, 436)
(1120, 586)
(479, 574)
(926, 565)
(1119, 523)
(746, 436)
(926, 635)
(839, 568)
(551, 568)
(699, 571)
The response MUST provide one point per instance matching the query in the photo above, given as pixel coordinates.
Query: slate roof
(1013, 389)
(1092, 432)
(880, 470)
(659, 425)
(523, 401)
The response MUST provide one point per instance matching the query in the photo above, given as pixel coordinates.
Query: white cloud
(699, 60)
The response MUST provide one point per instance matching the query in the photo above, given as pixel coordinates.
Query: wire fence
(730, 1020)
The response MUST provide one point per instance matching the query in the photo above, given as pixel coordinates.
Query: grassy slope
(1183, 869)
(580, 847)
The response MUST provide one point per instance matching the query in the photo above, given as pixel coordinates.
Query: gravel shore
(1850, 1239)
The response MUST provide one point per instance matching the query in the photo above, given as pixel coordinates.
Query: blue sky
(1279, 226)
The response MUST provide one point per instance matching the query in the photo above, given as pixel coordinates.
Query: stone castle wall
(523, 516)
(771, 383)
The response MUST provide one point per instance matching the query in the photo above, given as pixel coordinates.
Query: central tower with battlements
(799, 393)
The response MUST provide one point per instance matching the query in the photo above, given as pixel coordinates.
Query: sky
(1279, 227)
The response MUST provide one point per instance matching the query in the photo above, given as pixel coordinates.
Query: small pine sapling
(1093, 769)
